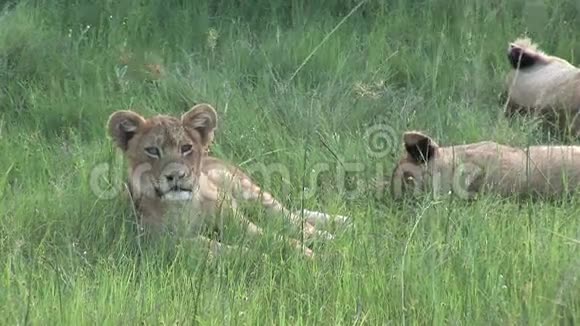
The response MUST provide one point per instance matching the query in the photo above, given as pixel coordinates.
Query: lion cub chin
(170, 173)
(178, 195)
(470, 169)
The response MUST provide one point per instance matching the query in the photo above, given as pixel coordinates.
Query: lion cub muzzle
(176, 182)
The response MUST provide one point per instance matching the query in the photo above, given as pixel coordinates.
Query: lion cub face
(164, 153)
(428, 168)
(412, 173)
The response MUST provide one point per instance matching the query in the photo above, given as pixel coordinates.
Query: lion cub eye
(186, 149)
(152, 152)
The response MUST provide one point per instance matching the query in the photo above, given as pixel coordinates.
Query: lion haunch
(543, 86)
(172, 178)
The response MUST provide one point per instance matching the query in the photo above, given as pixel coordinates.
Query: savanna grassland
(301, 88)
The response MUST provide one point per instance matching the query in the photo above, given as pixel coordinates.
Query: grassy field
(300, 90)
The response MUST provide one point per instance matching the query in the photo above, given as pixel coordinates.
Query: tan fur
(549, 89)
(467, 170)
(166, 153)
(526, 43)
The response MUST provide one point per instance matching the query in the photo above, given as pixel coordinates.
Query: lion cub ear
(420, 147)
(203, 119)
(123, 125)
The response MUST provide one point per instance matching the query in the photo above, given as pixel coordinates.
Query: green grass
(70, 257)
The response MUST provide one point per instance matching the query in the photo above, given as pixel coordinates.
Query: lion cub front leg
(320, 219)
(307, 218)
(221, 200)
(255, 230)
(243, 189)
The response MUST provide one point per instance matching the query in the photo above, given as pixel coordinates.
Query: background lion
(469, 169)
(542, 85)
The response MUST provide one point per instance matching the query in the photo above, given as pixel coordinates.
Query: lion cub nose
(175, 175)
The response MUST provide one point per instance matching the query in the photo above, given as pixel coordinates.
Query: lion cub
(466, 170)
(173, 181)
(542, 85)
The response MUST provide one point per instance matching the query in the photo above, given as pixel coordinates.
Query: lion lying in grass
(172, 179)
(467, 170)
(543, 86)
